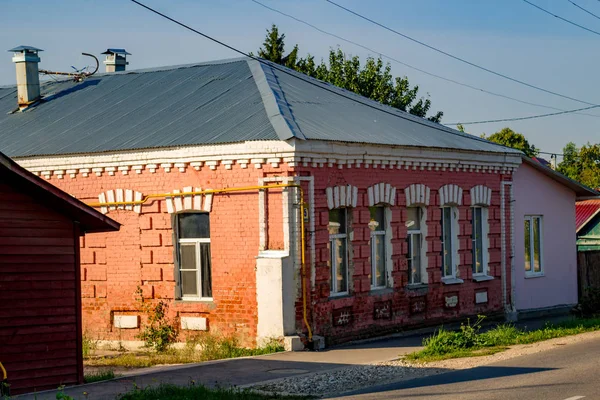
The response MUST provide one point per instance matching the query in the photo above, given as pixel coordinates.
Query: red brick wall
(141, 253)
(361, 303)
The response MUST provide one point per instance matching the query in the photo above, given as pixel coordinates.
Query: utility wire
(583, 9)
(522, 118)
(561, 18)
(456, 57)
(410, 66)
(353, 97)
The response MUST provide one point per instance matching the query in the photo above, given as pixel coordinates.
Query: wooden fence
(588, 270)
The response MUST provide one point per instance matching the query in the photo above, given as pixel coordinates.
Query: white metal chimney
(116, 60)
(28, 78)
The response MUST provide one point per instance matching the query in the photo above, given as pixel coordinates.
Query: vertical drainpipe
(509, 307)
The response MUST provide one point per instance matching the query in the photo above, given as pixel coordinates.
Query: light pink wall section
(537, 194)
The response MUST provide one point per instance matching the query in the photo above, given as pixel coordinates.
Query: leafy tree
(509, 138)
(582, 165)
(373, 80)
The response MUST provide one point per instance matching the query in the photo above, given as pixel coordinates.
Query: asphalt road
(564, 373)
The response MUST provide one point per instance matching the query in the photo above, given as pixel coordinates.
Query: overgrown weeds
(469, 341)
(103, 375)
(193, 392)
(204, 347)
(88, 345)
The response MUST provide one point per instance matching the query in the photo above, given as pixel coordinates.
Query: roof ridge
(277, 108)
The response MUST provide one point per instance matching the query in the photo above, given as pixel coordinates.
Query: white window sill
(482, 278)
(338, 294)
(534, 275)
(380, 290)
(195, 300)
(416, 286)
(450, 280)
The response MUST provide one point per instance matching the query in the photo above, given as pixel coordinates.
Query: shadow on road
(465, 375)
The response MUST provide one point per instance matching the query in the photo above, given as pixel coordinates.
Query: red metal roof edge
(589, 215)
(95, 221)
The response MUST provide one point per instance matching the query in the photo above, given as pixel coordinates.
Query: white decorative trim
(193, 323)
(120, 195)
(125, 321)
(417, 194)
(342, 196)
(196, 202)
(381, 193)
(481, 196)
(313, 153)
(450, 195)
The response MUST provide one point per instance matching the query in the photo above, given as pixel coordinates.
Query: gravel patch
(348, 378)
(355, 377)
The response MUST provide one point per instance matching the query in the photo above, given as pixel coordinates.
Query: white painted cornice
(255, 154)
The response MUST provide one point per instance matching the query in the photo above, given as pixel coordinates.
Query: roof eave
(581, 191)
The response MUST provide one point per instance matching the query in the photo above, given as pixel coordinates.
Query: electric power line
(561, 18)
(583, 9)
(353, 97)
(410, 66)
(522, 118)
(456, 57)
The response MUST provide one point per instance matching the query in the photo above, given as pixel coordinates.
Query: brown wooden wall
(588, 270)
(40, 331)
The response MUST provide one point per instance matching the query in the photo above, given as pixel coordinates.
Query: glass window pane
(187, 256)
(377, 216)
(527, 245)
(337, 221)
(341, 264)
(413, 218)
(205, 272)
(477, 240)
(537, 264)
(194, 226)
(447, 225)
(415, 256)
(189, 283)
(379, 262)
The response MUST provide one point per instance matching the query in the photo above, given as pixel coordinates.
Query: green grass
(470, 342)
(99, 376)
(204, 348)
(171, 392)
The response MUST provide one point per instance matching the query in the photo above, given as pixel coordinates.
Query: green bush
(160, 331)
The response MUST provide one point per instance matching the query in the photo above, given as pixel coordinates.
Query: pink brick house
(406, 221)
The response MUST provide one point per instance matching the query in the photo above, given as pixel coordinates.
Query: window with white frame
(194, 277)
(377, 226)
(414, 238)
(338, 247)
(533, 245)
(479, 240)
(449, 241)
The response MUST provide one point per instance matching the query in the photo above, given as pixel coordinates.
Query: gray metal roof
(217, 102)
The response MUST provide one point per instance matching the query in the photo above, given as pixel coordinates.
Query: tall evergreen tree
(373, 80)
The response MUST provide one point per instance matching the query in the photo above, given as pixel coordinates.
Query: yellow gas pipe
(238, 189)
(4, 376)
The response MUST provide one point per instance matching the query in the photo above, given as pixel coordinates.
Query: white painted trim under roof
(294, 153)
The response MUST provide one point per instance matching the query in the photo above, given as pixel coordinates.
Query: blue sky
(508, 36)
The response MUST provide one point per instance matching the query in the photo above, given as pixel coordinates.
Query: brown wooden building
(40, 291)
